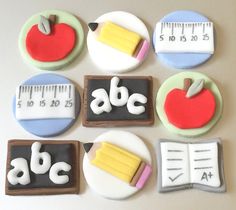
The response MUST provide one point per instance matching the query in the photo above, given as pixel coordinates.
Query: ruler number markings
(45, 98)
(174, 34)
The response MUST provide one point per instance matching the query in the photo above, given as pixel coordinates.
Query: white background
(221, 68)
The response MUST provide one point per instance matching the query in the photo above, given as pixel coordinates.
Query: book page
(204, 166)
(175, 164)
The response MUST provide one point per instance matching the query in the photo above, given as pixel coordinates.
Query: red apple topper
(192, 107)
(48, 41)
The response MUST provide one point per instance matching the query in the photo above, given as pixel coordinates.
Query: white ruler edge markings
(184, 37)
(51, 101)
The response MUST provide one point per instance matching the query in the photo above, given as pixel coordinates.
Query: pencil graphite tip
(93, 26)
(87, 147)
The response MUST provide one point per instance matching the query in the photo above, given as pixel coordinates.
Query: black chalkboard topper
(117, 101)
(42, 167)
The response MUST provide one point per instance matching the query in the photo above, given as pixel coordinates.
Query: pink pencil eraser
(144, 176)
(143, 51)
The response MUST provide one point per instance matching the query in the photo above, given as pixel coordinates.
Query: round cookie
(105, 184)
(176, 81)
(183, 60)
(110, 59)
(65, 22)
(48, 127)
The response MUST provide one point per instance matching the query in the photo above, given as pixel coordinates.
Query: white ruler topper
(184, 37)
(45, 101)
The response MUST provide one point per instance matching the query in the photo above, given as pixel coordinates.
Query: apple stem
(52, 19)
(187, 83)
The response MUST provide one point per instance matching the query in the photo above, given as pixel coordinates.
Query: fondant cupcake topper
(117, 101)
(42, 167)
(50, 42)
(192, 107)
(184, 39)
(117, 41)
(189, 103)
(120, 38)
(51, 39)
(118, 162)
(46, 104)
(184, 165)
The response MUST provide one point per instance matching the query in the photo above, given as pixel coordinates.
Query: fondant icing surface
(110, 59)
(176, 82)
(49, 127)
(42, 180)
(53, 62)
(183, 60)
(104, 183)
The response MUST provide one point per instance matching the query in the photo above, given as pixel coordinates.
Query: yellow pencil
(118, 162)
(120, 38)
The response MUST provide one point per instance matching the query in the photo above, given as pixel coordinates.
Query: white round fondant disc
(104, 183)
(108, 58)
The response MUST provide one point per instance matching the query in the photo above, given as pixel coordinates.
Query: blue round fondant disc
(183, 60)
(48, 127)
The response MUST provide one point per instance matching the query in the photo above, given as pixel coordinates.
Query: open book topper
(190, 165)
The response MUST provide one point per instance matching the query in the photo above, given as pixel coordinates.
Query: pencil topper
(120, 38)
(116, 164)
(118, 41)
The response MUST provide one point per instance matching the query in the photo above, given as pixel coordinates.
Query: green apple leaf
(44, 25)
(195, 88)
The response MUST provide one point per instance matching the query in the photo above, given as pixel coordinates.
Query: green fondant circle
(62, 17)
(176, 81)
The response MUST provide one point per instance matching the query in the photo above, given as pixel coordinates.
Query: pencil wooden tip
(93, 26)
(87, 147)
